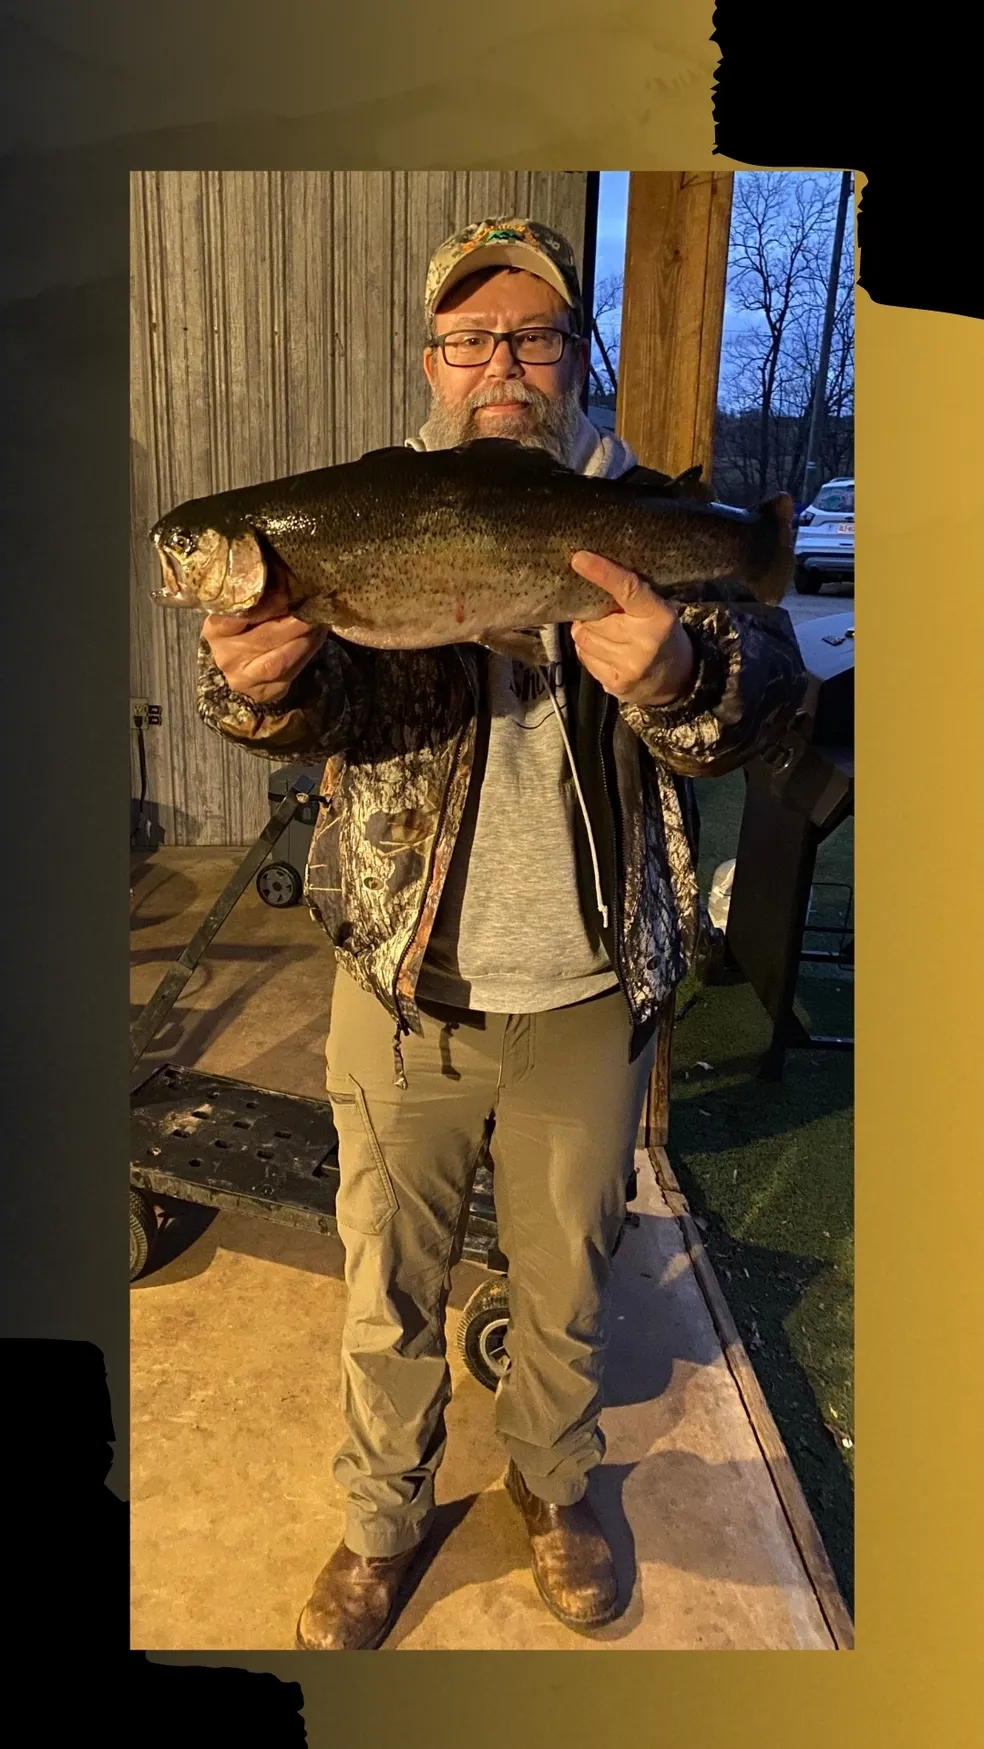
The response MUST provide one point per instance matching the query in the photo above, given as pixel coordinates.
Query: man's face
(535, 404)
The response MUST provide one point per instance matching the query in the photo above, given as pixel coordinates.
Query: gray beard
(554, 426)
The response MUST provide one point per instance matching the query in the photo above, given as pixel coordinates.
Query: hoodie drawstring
(602, 907)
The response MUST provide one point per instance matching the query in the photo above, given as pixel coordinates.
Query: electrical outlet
(146, 715)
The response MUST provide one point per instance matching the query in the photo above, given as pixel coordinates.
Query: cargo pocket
(366, 1200)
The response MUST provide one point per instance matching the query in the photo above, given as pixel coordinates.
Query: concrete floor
(833, 598)
(234, 1416)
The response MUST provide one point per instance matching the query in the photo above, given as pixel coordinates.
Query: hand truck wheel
(482, 1332)
(279, 884)
(143, 1232)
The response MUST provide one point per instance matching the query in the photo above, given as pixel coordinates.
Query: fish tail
(767, 562)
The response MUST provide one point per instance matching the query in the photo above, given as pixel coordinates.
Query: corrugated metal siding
(276, 326)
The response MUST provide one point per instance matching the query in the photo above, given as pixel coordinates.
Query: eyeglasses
(476, 346)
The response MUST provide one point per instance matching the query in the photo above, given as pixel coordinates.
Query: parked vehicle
(825, 538)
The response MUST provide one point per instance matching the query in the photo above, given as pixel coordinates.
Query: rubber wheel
(806, 582)
(482, 1332)
(143, 1232)
(279, 884)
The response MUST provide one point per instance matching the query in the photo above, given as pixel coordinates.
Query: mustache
(507, 394)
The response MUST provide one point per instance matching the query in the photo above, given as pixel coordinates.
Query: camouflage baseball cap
(505, 243)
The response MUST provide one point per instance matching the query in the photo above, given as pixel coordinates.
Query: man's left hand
(640, 653)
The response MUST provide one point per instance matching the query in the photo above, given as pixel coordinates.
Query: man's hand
(259, 653)
(641, 653)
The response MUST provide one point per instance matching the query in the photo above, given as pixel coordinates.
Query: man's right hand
(259, 653)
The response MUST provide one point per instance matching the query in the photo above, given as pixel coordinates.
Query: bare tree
(779, 262)
(799, 365)
(779, 267)
(606, 334)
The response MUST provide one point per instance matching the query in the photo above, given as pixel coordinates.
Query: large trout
(409, 551)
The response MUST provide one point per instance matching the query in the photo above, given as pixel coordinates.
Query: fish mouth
(212, 572)
(174, 592)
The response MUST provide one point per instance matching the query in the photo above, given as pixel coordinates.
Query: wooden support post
(676, 263)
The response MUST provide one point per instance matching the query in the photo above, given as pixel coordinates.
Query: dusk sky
(613, 200)
(610, 258)
(612, 204)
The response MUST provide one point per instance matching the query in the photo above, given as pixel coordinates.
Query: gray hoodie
(510, 935)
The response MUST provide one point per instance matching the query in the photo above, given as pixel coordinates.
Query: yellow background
(582, 85)
(920, 977)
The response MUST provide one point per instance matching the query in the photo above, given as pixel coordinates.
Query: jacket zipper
(401, 1026)
(616, 905)
(616, 882)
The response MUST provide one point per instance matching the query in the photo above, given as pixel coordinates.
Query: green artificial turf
(767, 1167)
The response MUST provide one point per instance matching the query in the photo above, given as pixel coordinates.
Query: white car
(825, 538)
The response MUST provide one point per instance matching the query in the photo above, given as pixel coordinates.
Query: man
(512, 902)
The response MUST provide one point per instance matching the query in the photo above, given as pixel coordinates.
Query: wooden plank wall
(275, 326)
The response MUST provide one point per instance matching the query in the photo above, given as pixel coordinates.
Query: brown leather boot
(355, 1601)
(572, 1563)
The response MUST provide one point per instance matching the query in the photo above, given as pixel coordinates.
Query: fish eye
(180, 540)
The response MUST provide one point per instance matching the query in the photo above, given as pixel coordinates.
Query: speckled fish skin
(402, 550)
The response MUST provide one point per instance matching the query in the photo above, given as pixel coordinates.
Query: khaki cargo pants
(567, 1107)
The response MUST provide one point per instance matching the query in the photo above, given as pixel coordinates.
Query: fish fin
(690, 485)
(500, 450)
(768, 562)
(642, 481)
(526, 647)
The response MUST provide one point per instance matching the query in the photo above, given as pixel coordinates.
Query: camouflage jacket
(399, 730)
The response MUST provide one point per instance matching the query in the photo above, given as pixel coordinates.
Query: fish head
(211, 568)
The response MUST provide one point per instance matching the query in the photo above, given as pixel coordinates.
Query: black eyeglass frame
(438, 342)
